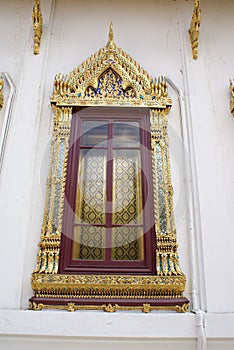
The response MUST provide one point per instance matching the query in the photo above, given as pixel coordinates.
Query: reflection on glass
(127, 188)
(126, 134)
(88, 243)
(94, 133)
(127, 243)
(91, 187)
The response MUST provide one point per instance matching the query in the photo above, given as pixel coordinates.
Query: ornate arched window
(108, 239)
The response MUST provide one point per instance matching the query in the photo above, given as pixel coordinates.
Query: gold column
(167, 257)
(47, 260)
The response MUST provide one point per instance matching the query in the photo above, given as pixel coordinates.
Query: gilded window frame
(111, 292)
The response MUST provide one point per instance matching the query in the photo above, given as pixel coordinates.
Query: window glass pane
(127, 243)
(91, 187)
(126, 134)
(94, 133)
(88, 243)
(127, 187)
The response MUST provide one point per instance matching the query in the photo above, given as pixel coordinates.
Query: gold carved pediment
(121, 80)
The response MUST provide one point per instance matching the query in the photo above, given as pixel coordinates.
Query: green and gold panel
(160, 188)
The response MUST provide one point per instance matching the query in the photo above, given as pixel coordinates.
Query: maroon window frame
(68, 265)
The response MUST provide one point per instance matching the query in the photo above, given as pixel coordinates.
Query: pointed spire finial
(111, 43)
(111, 33)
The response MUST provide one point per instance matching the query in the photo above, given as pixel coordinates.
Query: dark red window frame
(67, 265)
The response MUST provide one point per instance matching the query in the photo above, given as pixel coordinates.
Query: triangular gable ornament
(110, 77)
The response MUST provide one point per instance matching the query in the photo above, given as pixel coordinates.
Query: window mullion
(109, 185)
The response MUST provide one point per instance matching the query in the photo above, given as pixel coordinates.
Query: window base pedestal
(108, 292)
(110, 305)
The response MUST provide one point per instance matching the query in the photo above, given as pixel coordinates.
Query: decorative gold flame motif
(37, 26)
(194, 28)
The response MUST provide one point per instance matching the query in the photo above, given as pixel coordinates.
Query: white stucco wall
(155, 34)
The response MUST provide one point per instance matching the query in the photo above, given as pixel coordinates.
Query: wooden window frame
(67, 265)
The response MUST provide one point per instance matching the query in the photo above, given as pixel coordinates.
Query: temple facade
(116, 174)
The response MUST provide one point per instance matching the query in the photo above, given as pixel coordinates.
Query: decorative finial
(111, 33)
(111, 43)
(1, 92)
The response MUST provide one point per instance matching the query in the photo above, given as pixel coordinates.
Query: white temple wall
(155, 34)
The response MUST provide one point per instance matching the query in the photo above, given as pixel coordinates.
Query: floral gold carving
(37, 26)
(102, 286)
(71, 307)
(194, 28)
(146, 308)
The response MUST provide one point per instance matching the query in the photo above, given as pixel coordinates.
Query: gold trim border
(108, 286)
(106, 280)
(146, 308)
